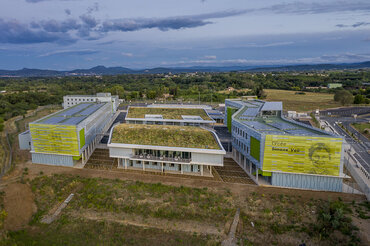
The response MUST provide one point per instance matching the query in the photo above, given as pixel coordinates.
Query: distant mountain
(102, 70)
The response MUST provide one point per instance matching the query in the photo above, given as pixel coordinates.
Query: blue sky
(68, 34)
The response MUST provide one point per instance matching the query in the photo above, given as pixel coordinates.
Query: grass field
(124, 212)
(302, 102)
(363, 128)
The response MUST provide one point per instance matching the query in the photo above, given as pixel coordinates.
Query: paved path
(230, 240)
(49, 219)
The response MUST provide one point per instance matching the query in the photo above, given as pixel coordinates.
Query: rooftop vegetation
(173, 136)
(167, 113)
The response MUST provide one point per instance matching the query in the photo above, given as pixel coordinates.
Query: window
(172, 165)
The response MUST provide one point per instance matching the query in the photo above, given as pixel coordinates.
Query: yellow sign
(54, 139)
(302, 154)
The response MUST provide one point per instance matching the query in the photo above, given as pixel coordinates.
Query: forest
(21, 94)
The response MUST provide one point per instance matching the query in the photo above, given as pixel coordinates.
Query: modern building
(68, 136)
(165, 148)
(180, 115)
(277, 151)
(71, 100)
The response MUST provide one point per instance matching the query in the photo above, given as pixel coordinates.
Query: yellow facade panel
(55, 139)
(302, 154)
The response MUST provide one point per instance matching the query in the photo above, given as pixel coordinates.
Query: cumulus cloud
(70, 52)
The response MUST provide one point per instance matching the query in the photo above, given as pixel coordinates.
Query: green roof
(171, 136)
(167, 113)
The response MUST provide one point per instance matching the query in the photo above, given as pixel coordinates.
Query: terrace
(167, 113)
(171, 136)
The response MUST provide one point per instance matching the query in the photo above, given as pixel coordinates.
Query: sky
(70, 34)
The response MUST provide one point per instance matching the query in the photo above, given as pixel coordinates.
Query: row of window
(192, 167)
(163, 153)
(83, 99)
(240, 132)
(241, 145)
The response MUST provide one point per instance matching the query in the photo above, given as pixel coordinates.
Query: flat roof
(250, 115)
(71, 116)
(164, 135)
(166, 113)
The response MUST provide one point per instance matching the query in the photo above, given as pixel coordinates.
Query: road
(362, 147)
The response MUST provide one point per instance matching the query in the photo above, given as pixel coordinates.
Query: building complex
(277, 151)
(270, 148)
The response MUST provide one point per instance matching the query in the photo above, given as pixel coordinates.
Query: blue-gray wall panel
(49, 159)
(311, 182)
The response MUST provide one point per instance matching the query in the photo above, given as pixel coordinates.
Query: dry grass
(174, 136)
(302, 102)
(167, 113)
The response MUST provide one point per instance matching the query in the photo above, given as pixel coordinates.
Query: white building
(170, 149)
(71, 100)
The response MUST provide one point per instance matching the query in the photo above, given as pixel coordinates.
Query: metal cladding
(55, 139)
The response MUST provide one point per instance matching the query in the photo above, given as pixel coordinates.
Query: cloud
(70, 52)
(210, 57)
(338, 58)
(357, 24)
(93, 8)
(127, 54)
(56, 26)
(17, 33)
(167, 23)
(318, 7)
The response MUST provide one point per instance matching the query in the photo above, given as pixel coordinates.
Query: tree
(343, 96)
(359, 99)
(259, 92)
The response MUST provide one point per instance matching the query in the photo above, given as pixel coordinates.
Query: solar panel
(258, 125)
(299, 132)
(91, 109)
(282, 125)
(74, 120)
(74, 110)
(251, 112)
(53, 120)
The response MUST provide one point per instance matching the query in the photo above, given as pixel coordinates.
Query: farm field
(127, 212)
(302, 102)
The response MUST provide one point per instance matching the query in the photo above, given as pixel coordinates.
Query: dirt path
(163, 224)
(19, 204)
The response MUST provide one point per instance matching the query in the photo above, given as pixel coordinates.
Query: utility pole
(199, 97)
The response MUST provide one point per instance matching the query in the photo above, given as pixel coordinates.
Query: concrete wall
(310, 182)
(50, 159)
(120, 152)
(208, 159)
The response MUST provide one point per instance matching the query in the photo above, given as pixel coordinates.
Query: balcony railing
(160, 159)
